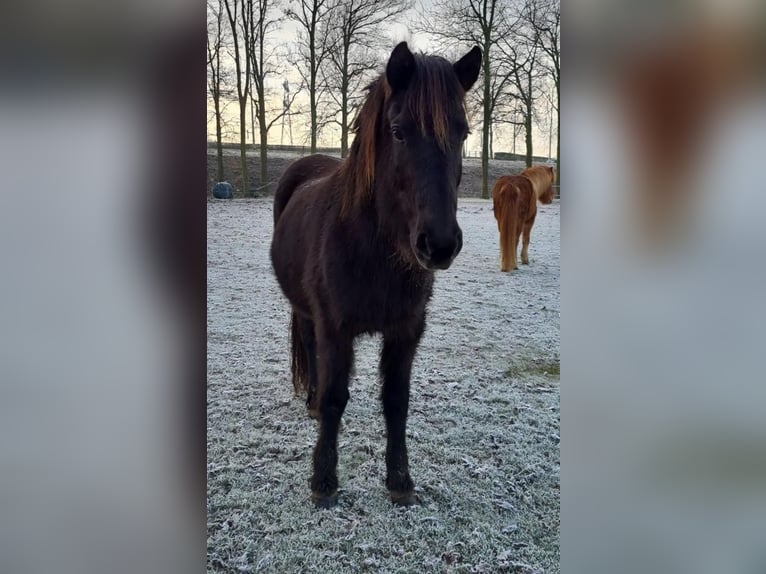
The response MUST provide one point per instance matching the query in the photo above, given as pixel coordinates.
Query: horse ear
(467, 68)
(401, 66)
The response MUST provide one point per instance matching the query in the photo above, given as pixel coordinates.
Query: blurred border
(103, 289)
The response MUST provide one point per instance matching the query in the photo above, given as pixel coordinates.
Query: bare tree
(310, 52)
(545, 20)
(215, 71)
(521, 56)
(354, 39)
(263, 20)
(482, 22)
(238, 12)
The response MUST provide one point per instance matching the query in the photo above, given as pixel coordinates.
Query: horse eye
(397, 133)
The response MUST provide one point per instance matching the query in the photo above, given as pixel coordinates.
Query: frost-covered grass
(483, 427)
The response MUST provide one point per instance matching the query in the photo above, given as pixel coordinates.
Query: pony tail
(505, 200)
(299, 365)
(511, 226)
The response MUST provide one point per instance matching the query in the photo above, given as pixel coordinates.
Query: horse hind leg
(525, 245)
(305, 375)
(504, 253)
(515, 249)
(512, 245)
(507, 243)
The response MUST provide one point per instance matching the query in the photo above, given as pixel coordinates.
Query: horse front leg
(334, 359)
(396, 367)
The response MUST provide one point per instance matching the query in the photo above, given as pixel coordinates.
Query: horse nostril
(459, 243)
(422, 244)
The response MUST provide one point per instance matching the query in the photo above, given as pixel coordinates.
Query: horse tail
(505, 199)
(299, 365)
(512, 205)
(499, 211)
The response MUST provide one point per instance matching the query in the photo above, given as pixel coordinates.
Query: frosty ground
(483, 430)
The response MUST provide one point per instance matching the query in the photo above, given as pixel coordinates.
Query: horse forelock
(433, 96)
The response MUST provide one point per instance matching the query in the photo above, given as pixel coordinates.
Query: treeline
(336, 47)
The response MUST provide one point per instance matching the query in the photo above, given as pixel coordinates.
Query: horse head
(546, 196)
(424, 122)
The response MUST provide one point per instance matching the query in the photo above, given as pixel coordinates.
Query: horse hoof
(324, 501)
(314, 414)
(404, 498)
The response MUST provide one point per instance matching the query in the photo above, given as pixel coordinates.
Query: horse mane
(542, 178)
(433, 95)
(358, 169)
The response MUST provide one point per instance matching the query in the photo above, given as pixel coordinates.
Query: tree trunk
(528, 134)
(486, 125)
(528, 118)
(313, 84)
(344, 104)
(252, 117)
(218, 142)
(558, 137)
(313, 104)
(491, 141)
(344, 128)
(264, 136)
(243, 143)
(264, 159)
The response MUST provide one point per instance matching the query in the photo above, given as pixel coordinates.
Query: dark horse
(356, 243)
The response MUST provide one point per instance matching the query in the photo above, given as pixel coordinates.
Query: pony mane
(358, 169)
(433, 95)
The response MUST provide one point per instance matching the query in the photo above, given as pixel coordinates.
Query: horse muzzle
(438, 249)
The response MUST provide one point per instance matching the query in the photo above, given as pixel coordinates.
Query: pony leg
(396, 367)
(504, 257)
(309, 348)
(525, 245)
(507, 259)
(513, 246)
(334, 359)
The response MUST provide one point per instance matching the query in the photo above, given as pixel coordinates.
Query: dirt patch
(484, 444)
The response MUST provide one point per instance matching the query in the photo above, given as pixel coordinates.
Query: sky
(543, 139)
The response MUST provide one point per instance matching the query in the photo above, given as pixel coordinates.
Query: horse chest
(373, 294)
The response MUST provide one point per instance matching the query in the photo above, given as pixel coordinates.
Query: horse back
(299, 172)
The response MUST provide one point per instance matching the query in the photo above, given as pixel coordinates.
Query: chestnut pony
(514, 199)
(356, 243)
